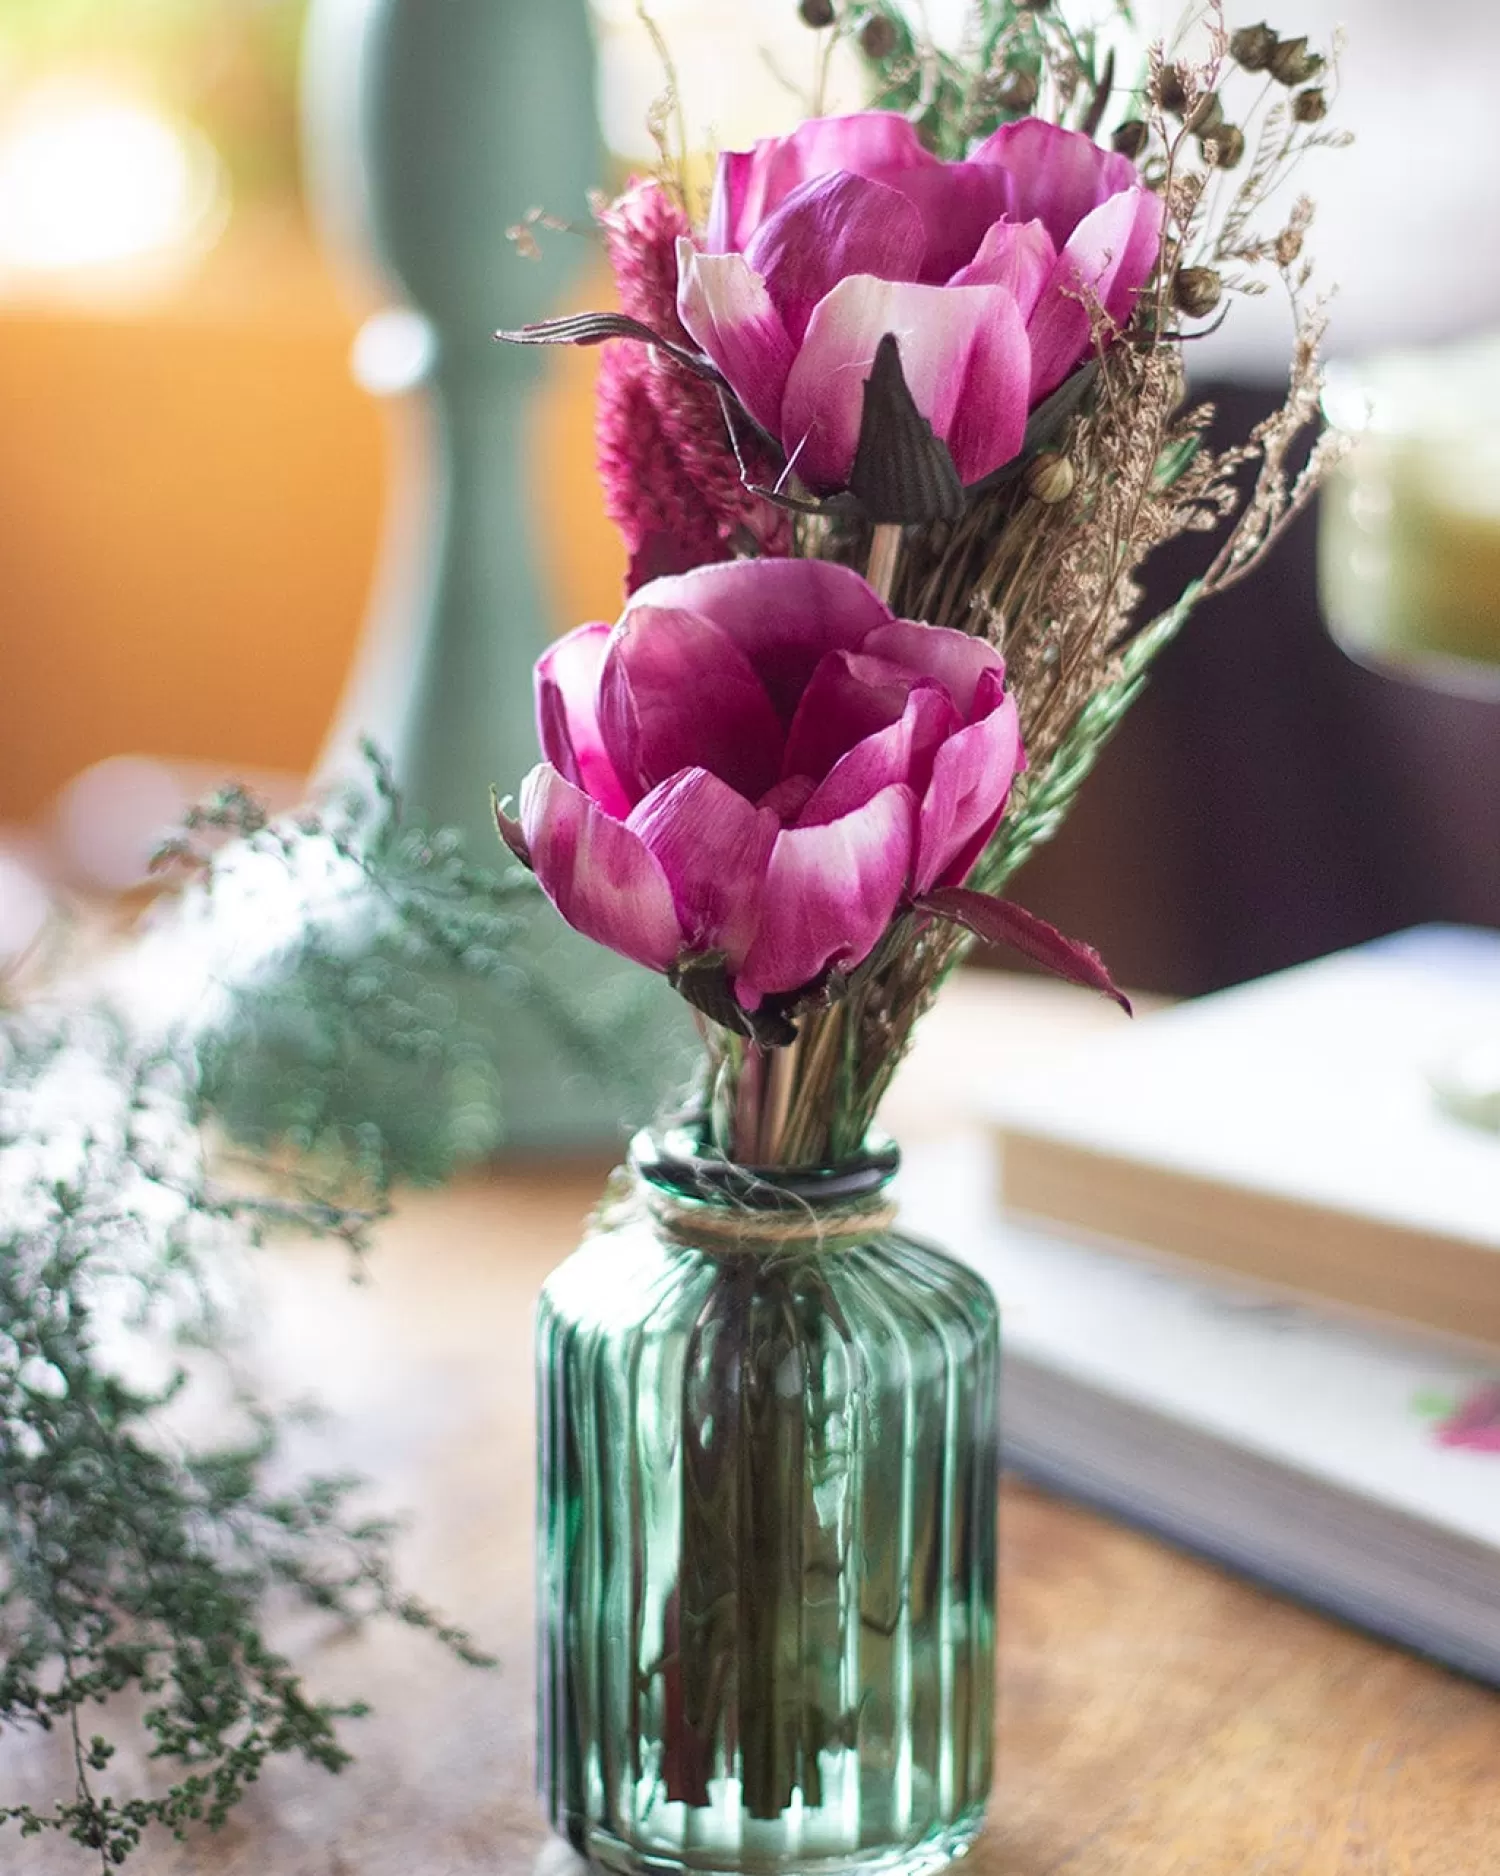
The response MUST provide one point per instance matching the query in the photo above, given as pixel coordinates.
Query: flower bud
(1223, 147)
(1131, 138)
(1197, 291)
(1288, 246)
(1252, 47)
(877, 37)
(1292, 64)
(1016, 91)
(816, 13)
(1050, 478)
(1310, 106)
(1171, 90)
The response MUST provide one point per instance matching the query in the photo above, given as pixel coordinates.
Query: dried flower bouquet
(890, 431)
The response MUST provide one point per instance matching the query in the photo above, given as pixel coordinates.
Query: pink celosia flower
(672, 484)
(988, 272)
(760, 762)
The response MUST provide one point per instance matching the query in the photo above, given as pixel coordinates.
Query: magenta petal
(1018, 256)
(989, 425)
(750, 185)
(567, 712)
(1057, 176)
(1103, 265)
(788, 798)
(957, 660)
(830, 893)
(1138, 262)
(598, 874)
(784, 615)
(999, 922)
(903, 752)
(850, 697)
(833, 226)
(957, 204)
(714, 848)
(971, 780)
(964, 354)
(727, 309)
(676, 693)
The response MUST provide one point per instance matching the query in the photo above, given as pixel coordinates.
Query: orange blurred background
(191, 496)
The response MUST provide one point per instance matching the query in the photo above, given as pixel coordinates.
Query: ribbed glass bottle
(768, 1474)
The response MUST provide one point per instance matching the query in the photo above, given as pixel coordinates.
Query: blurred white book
(1354, 1468)
(1287, 1132)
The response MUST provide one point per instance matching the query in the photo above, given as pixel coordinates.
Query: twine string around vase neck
(713, 1204)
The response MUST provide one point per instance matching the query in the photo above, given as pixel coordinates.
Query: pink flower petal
(958, 203)
(727, 309)
(599, 875)
(964, 354)
(850, 697)
(1057, 175)
(1103, 265)
(1018, 256)
(784, 615)
(832, 226)
(752, 184)
(788, 798)
(971, 780)
(903, 752)
(567, 711)
(714, 848)
(830, 892)
(676, 692)
(955, 659)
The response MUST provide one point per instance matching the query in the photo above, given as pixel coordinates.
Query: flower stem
(885, 550)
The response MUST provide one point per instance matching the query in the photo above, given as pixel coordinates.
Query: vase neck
(714, 1203)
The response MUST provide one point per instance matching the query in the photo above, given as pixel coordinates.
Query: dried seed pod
(1292, 64)
(1131, 138)
(1207, 114)
(1224, 147)
(877, 37)
(1197, 291)
(1252, 47)
(1171, 90)
(1310, 106)
(816, 13)
(1016, 91)
(1288, 246)
(1050, 478)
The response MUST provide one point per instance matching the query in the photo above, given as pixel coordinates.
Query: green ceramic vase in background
(432, 126)
(768, 1478)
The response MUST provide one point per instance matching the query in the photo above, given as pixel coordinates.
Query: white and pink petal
(828, 227)
(830, 892)
(599, 874)
(714, 848)
(727, 308)
(567, 713)
(971, 782)
(964, 355)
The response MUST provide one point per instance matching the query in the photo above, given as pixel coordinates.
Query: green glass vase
(768, 1477)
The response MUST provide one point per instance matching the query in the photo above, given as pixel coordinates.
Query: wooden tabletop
(1157, 1716)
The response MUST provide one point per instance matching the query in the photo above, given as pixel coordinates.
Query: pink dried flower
(671, 480)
